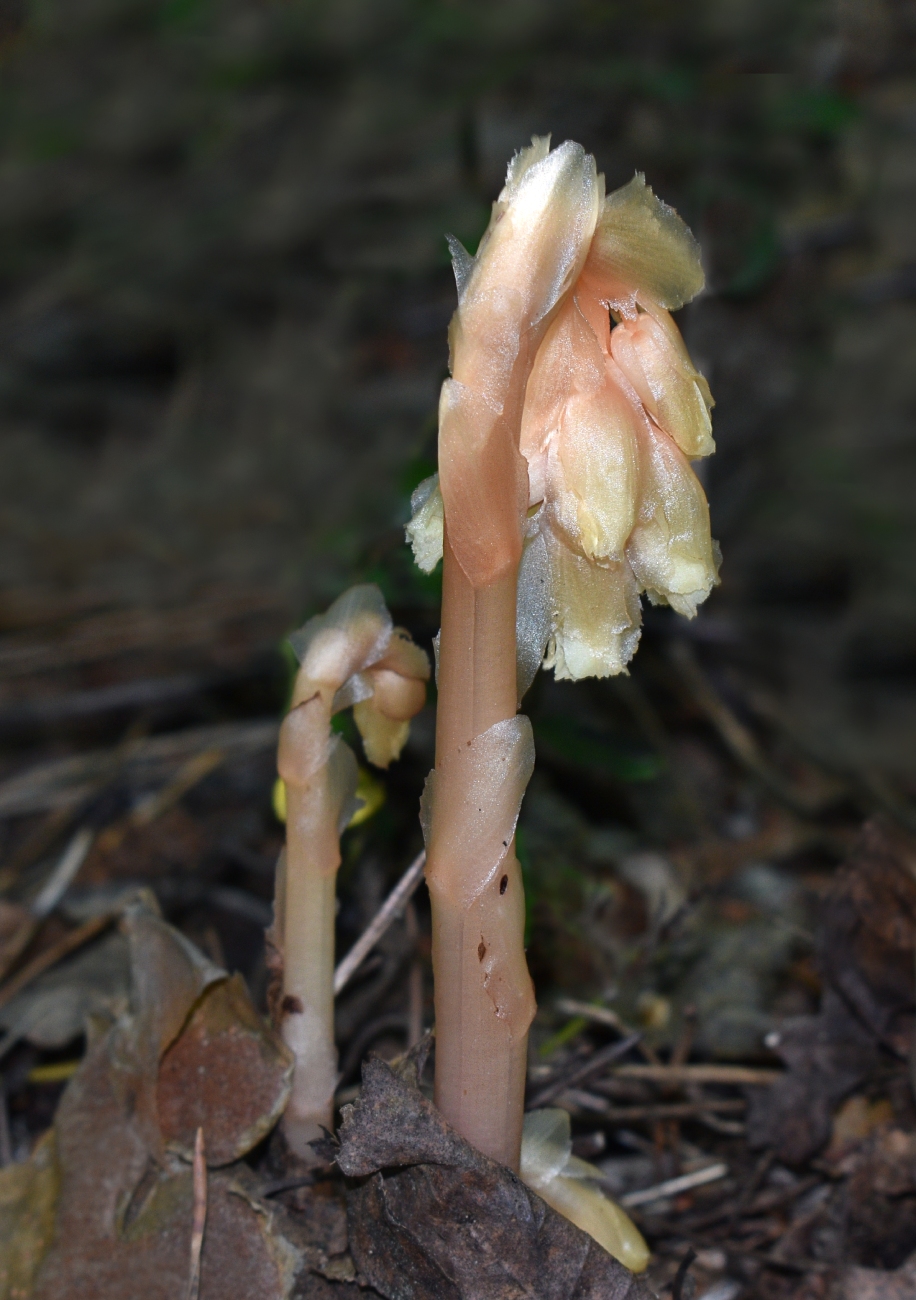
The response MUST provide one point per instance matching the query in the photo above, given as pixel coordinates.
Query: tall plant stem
(483, 996)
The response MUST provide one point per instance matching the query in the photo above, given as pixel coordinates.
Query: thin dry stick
(594, 1065)
(51, 956)
(604, 1016)
(199, 1221)
(675, 1110)
(734, 1074)
(63, 875)
(738, 738)
(680, 1277)
(187, 777)
(674, 1186)
(388, 912)
(55, 887)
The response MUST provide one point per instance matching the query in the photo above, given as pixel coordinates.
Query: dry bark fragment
(432, 1216)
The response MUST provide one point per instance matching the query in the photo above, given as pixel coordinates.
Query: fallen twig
(739, 1075)
(51, 956)
(188, 775)
(199, 1221)
(737, 737)
(66, 782)
(665, 1111)
(587, 1070)
(680, 1277)
(63, 875)
(675, 1186)
(602, 1016)
(392, 906)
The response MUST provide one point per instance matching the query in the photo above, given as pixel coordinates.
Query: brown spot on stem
(291, 1005)
(481, 950)
(504, 884)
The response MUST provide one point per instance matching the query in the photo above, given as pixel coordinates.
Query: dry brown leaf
(28, 1194)
(434, 1217)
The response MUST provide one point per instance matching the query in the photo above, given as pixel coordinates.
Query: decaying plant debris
(812, 1200)
(430, 1215)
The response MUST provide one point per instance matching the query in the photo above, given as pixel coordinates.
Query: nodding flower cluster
(613, 410)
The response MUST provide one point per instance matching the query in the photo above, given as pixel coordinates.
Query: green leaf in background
(586, 747)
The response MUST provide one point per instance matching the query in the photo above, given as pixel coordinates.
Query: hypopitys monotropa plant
(350, 656)
(564, 493)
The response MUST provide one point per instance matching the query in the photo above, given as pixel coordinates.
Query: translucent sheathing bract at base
(613, 412)
(571, 1187)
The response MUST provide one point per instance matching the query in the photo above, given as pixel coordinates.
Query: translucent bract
(570, 1186)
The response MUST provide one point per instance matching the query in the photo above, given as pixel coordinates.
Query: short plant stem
(481, 1032)
(308, 972)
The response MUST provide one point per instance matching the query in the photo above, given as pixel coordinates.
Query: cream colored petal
(383, 737)
(666, 381)
(425, 530)
(585, 1205)
(642, 245)
(594, 472)
(595, 615)
(671, 552)
(569, 360)
(546, 1145)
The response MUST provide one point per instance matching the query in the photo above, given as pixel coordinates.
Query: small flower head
(353, 655)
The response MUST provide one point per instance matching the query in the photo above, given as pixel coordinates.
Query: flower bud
(673, 392)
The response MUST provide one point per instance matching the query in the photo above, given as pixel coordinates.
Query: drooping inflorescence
(614, 410)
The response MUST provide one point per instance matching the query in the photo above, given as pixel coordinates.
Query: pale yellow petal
(671, 551)
(594, 473)
(642, 246)
(595, 615)
(383, 737)
(399, 698)
(569, 360)
(585, 1205)
(539, 234)
(425, 530)
(666, 381)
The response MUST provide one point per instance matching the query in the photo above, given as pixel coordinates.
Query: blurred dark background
(224, 294)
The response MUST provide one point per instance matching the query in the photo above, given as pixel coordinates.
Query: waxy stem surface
(483, 992)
